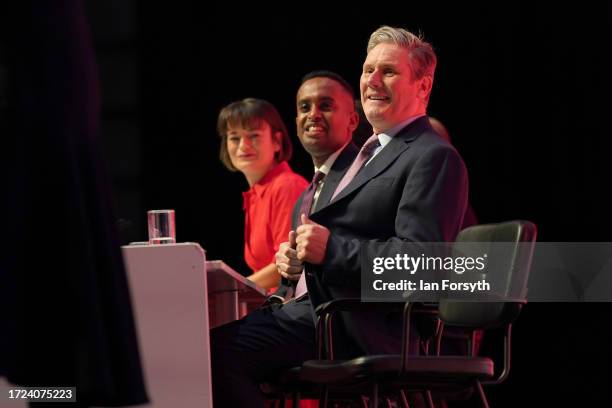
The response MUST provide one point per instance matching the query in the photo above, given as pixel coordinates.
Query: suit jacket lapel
(340, 166)
(296, 209)
(389, 153)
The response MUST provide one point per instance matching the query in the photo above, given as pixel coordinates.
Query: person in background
(469, 218)
(364, 129)
(255, 142)
(440, 129)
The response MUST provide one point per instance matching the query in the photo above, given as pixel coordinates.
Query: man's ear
(425, 87)
(354, 121)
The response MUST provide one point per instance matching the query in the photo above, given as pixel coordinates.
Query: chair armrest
(356, 305)
(325, 312)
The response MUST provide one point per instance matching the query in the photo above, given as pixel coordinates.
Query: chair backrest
(510, 274)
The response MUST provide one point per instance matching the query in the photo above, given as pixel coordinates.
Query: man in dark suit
(412, 187)
(326, 136)
(281, 335)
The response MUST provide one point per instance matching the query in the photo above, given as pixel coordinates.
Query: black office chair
(398, 373)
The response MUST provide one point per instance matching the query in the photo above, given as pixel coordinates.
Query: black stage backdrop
(523, 90)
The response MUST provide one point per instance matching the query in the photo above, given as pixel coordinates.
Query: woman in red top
(255, 141)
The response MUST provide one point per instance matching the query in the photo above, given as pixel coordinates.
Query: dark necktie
(305, 208)
(308, 198)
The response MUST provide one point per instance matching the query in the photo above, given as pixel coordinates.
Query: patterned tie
(364, 155)
(305, 208)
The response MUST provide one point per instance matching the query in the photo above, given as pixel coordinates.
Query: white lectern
(171, 286)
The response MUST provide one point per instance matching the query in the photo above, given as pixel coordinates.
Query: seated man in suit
(406, 185)
(279, 335)
(327, 138)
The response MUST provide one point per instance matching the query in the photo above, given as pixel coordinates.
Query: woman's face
(252, 150)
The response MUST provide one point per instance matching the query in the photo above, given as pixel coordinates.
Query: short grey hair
(421, 56)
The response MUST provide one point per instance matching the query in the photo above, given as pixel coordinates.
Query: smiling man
(406, 185)
(392, 91)
(326, 119)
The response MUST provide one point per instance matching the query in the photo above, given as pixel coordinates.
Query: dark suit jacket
(414, 190)
(339, 167)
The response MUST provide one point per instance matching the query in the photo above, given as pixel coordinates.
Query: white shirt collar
(386, 136)
(326, 167)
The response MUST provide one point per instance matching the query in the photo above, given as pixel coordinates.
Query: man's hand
(311, 241)
(287, 262)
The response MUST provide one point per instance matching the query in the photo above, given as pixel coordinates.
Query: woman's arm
(267, 277)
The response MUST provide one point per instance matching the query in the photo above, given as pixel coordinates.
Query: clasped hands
(306, 244)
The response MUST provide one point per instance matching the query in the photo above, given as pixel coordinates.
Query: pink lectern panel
(169, 297)
(230, 295)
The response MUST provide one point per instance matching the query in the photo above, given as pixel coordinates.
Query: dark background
(523, 90)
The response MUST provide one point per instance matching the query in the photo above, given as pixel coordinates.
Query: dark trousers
(254, 349)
